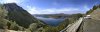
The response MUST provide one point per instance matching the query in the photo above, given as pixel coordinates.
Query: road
(3, 30)
(73, 27)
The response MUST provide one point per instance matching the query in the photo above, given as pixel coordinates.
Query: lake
(51, 21)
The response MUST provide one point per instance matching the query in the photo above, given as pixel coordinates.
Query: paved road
(73, 27)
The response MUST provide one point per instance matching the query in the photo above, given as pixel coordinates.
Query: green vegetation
(74, 17)
(62, 25)
(14, 26)
(16, 18)
(3, 21)
(91, 10)
(19, 15)
(57, 28)
(19, 18)
(6, 24)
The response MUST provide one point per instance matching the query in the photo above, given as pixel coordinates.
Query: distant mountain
(19, 15)
(52, 15)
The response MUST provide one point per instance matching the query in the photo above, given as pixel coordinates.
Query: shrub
(3, 21)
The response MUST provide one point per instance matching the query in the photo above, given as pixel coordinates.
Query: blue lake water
(51, 21)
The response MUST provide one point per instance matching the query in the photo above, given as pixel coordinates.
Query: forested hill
(19, 15)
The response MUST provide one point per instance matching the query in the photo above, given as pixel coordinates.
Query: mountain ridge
(19, 15)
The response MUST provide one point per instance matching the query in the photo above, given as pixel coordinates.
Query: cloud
(34, 10)
(11, 1)
(85, 8)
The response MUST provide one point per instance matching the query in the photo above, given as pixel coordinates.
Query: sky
(54, 6)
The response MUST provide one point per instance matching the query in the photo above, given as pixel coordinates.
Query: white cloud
(34, 10)
(11, 1)
(85, 8)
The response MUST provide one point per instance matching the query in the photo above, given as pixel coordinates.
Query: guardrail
(73, 27)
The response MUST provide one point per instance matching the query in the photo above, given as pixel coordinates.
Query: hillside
(93, 24)
(19, 15)
(13, 17)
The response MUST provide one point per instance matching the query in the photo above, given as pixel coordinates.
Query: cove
(51, 21)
